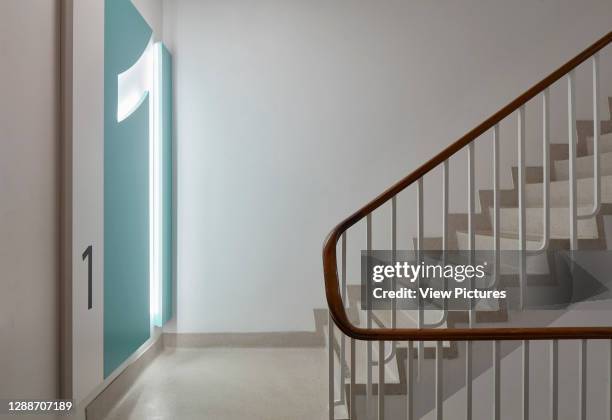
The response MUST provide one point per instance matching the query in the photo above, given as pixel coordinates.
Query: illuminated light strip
(156, 195)
(145, 76)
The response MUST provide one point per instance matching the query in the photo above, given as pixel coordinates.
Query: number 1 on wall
(88, 254)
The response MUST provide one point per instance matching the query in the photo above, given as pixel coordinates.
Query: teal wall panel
(167, 177)
(126, 193)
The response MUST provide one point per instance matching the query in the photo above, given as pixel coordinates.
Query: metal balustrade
(337, 291)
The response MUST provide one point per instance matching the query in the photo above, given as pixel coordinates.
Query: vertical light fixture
(145, 77)
(156, 186)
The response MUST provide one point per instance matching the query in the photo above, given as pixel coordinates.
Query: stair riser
(486, 242)
(535, 265)
(559, 223)
(584, 167)
(605, 144)
(559, 193)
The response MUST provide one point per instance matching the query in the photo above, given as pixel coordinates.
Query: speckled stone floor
(229, 384)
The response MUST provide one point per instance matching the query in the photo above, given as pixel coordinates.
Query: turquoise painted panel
(126, 193)
(167, 177)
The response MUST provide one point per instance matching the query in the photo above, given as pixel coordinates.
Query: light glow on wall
(142, 79)
(134, 84)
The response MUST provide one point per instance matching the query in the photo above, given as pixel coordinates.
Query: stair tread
(580, 208)
(607, 137)
(559, 228)
(559, 192)
(503, 235)
(585, 158)
(564, 182)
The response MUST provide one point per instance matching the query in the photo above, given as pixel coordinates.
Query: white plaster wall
(152, 12)
(29, 199)
(87, 194)
(292, 114)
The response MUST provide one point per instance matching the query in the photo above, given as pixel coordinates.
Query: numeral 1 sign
(88, 254)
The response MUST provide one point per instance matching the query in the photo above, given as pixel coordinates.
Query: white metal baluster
(496, 380)
(610, 383)
(381, 380)
(554, 353)
(421, 312)
(554, 379)
(496, 204)
(571, 107)
(573, 233)
(444, 315)
(545, 176)
(521, 198)
(471, 233)
(496, 245)
(522, 248)
(439, 382)
(596, 156)
(525, 379)
(409, 382)
(344, 285)
(471, 248)
(392, 352)
(342, 357)
(596, 128)
(445, 175)
(546, 167)
(369, 326)
(330, 344)
(351, 401)
(351, 397)
(468, 380)
(583, 380)
(394, 254)
(440, 344)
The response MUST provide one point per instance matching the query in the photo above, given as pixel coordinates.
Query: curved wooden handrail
(330, 271)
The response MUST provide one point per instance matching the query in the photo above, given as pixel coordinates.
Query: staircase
(402, 364)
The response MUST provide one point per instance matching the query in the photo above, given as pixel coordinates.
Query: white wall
(29, 199)
(291, 114)
(86, 118)
(152, 12)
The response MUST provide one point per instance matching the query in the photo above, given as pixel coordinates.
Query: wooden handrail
(330, 271)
